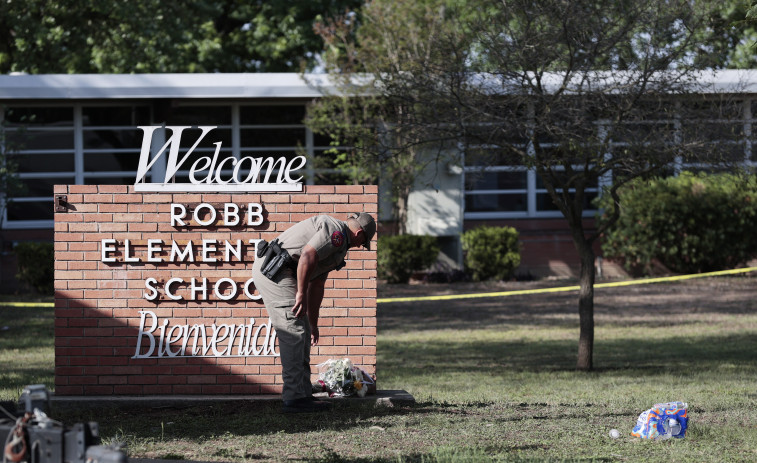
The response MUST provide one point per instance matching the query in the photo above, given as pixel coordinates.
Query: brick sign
(154, 291)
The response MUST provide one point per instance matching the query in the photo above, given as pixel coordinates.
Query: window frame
(81, 175)
(532, 191)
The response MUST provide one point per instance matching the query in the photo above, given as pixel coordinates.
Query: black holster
(274, 258)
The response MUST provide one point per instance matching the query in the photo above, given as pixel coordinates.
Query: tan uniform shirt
(327, 235)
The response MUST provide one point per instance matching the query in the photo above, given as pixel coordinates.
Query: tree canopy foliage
(125, 36)
(140, 36)
(575, 90)
(731, 39)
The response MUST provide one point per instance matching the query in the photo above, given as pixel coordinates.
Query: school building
(82, 129)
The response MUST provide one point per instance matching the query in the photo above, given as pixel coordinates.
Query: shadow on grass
(624, 357)
(201, 422)
(641, 306)
(444, 355)
(638, 356)
(221, 419)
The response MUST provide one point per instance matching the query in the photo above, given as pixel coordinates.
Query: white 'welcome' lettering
(260, 170)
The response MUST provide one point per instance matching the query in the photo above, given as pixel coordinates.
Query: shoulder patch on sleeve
(337, 239)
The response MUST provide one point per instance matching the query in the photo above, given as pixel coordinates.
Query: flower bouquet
(340, 378)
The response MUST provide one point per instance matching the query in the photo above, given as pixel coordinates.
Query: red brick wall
(547, 245)
(97, 318)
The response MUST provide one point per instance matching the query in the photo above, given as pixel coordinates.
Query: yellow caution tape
(27, 304)
(566, 288)
(519, 292)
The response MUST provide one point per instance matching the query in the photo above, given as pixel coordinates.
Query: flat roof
(148, 86)
(708, 82)
(261, 85)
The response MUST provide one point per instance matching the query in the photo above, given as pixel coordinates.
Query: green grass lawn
(493, 379)
(27, 337)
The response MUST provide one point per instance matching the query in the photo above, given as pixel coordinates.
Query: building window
(111, 143)
(276, 131)
(41, 141)
(99, 143)
(498, 188)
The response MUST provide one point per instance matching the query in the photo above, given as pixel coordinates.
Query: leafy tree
(137, 36)
(384, 133)
(751, 20)
(548, 85)
(752, 12)
(729, 40)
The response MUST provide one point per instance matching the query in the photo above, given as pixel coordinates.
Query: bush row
(489, 253)
(399, 256)
(36, 266)
(690, 223)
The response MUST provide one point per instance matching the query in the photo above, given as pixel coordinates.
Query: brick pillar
(101, 306)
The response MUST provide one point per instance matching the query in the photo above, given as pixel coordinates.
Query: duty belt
(275, 258)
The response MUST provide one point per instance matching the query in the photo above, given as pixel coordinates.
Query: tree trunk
(586, 306)
(401, 210)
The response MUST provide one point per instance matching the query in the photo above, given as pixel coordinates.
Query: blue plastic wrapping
(655, 422)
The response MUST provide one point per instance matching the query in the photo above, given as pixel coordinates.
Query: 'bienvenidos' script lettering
(202, 341)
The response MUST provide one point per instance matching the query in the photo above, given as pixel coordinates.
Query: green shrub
(36, 266)
(402, 255)
(491, 252)
(691, 223)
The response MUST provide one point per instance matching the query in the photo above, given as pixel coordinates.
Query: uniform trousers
(292, 332)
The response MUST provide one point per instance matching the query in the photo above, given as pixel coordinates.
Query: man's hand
(314, 335)
(300, 305)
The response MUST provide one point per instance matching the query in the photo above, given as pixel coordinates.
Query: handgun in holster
(274, 258)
